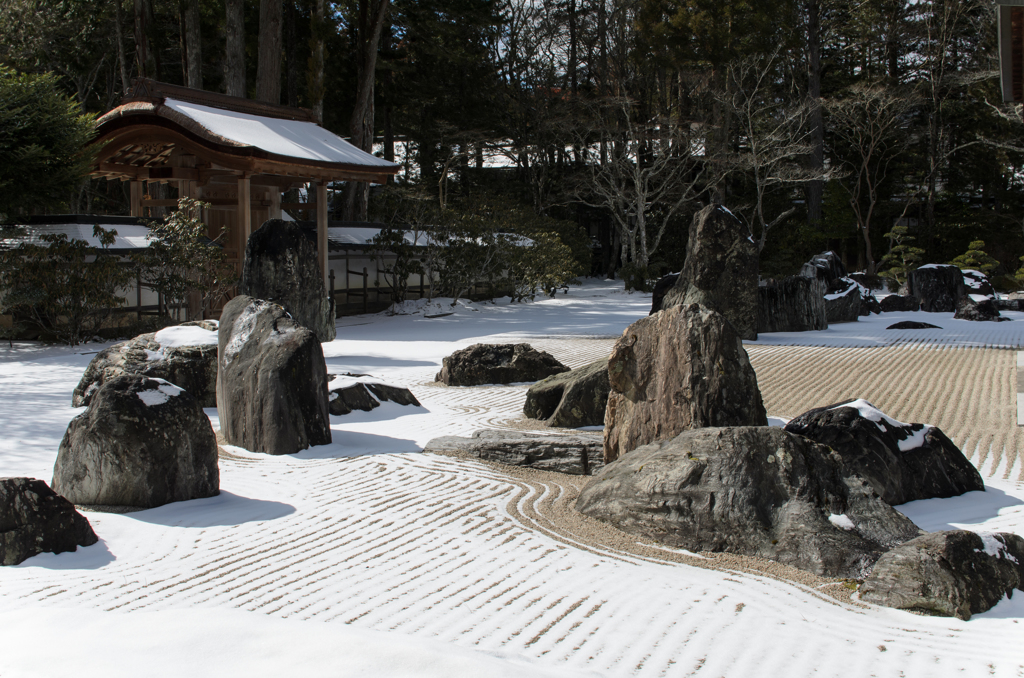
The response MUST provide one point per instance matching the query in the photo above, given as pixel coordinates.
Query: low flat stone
(912, 325)
(954, 573)
(897, 303)
(34, 519)
(482, 364)
(365, 394)
(577, 455)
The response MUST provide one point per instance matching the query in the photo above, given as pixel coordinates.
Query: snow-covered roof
(129, 237)
(290, 138)
(362, 235)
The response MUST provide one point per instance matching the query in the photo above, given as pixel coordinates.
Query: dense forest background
(821, 124)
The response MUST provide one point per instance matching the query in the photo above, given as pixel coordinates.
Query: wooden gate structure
(237, 154)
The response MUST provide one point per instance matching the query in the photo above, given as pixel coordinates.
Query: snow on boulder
(185, 355)
(978, 310)
(752, 490)
(902, 462)
(34, 519)
(348, 392)
(937, 286)
(843, 302)
(977, 285)
(955, 573)
(272, 380)
(141, 443)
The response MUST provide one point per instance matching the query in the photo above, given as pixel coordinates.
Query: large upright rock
(185, 355)
(34, 519)
(827, 267)
(482, 364)
(571, 399)
(937, 286)
(281, 266)
(682, 368)
(843, 301)
(757, 491)
(902, 462)
(272, 380)
(720, 271)
(794, 304)
(955, 573)
(142, 442)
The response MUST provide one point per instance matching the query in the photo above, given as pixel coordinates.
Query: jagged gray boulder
(794, 304)
(843, 301)
(34, 519)
(682, 368)
(757, 491)
(281, 266)
(141, 443)
(984, 310)
(954, 573)
(827, 267)
(161, 355)
(576, 454)
(898, 303)
(272, 380)
(720, 271)
(571, 399)
(937, 286)
(364, 394)
(976, 282)
(903, 462)
(482, 364)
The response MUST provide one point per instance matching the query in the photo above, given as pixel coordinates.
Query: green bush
(976, 259)
(43, 137)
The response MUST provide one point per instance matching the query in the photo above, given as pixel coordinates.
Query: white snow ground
(368, 558)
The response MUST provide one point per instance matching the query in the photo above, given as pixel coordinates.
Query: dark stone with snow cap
(272, 382)
(497, 364)
(193, 368)
(903, 462)
(679, 369)
(756, 491)
(794, 304)
(34, 519)
(571, 399)
(976, 282)
(955, 573)
(843, 301)
(720, 271)
(281, 266)
(141, 443)
(869, 304)
(937, 286)
(576, 454)
(897, 303)
(827, 267)
(978, 311)
(365, 394)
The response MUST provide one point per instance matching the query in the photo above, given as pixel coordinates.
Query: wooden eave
(149, 130)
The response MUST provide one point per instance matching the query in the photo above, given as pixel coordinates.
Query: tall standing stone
(281, 266)
(720, 271)
(679, 369)
(271, 380)
(937, 286)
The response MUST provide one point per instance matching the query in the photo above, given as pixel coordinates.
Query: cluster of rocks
(144, 439)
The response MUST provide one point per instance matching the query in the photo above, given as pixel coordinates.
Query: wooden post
(244, 213)
(366, 296)
(321, 227)
(136, 198)
(333, 305)
(275, 202)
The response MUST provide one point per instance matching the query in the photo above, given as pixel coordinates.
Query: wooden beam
(136, 199)
(244, 213)
(321, 230)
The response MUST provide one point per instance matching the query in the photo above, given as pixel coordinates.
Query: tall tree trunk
(361, 123)
(815, 189)
(234, 53)
(141, 40)
(291, 54)
(119, 33)
(317, 88)
(268, 66)
(193, 45)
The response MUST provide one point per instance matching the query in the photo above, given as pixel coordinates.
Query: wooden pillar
(275, 202)
(244, 214)
(321, 228)
(136, 198)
